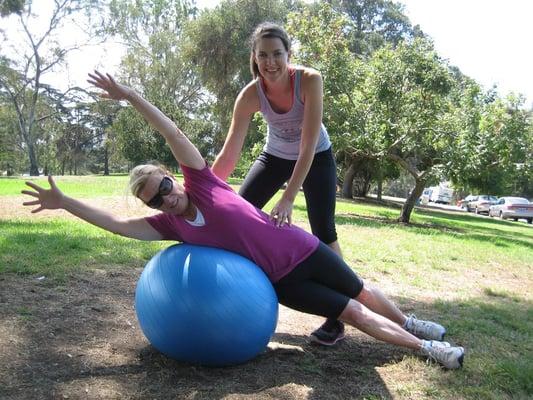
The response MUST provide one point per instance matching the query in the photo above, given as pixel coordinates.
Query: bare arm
(312, 92)
(53, 199)
(246, 105)
(184, 151)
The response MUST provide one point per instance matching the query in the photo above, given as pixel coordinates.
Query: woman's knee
(355, 313)
(365, 294)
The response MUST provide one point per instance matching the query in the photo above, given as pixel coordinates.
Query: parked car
(512, 208)
(481, 203)
(464, 202)
(437, 194)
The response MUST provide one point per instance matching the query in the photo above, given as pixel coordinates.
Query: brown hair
(266, 30)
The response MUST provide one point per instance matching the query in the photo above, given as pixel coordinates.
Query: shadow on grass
(498, 237)
(79, 338)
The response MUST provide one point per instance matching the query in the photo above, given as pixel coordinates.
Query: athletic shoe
(450, 357)
(424, 329)
(329, 333)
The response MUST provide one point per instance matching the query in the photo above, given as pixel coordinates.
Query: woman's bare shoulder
(248, 97)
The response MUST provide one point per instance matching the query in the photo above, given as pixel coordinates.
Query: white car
(512, 208)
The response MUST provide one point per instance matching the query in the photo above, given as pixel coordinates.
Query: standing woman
(297, 149)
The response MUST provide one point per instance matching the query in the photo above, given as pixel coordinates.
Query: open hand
(113, 90)
(50, 199)
(282, 211)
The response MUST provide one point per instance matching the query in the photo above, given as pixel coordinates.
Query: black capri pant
(322, 284)
(268, 174)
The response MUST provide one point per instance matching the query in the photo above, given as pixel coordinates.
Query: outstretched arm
(53, 199)
(184, 151)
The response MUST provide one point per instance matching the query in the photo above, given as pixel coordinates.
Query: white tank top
(284, 130)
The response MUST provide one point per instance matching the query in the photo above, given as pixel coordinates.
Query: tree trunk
(379, 175)
(106, 161)
(10, 170)
(411, 201)
(347, 186)
(380, 190)
(34, 167)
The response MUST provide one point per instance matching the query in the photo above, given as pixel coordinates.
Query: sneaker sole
(313, 339)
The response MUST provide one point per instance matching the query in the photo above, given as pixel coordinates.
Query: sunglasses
(165, 187)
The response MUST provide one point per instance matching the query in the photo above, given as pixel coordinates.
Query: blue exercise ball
(205, 306)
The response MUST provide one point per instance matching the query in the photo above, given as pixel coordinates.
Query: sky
(489, 40)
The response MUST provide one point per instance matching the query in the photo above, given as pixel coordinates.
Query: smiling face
(272, 58)
(175, 201)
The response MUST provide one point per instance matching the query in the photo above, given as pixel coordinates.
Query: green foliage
(375, 23)
(156, 67)
(11, 7)
(11, 156)
(395, 105)
(494, 143)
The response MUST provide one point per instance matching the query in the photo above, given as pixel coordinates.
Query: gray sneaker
(450, 357)
(424, 329)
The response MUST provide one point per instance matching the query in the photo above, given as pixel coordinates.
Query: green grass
(55, 248)
(77, 186)
(474, 273)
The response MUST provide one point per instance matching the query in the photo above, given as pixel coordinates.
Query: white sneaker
(449, 356)
(424, 329)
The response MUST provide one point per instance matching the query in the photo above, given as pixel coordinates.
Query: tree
(330, 39)
(409, 112)
(10, 150)
(156, 67)
(375, 23)
(106, 153)
(21, 79)
(494, 152)
(11, 7)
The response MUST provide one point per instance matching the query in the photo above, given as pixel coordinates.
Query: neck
(190, 212)
(280, 86)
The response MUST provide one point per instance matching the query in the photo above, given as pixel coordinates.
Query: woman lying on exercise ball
(204, 209)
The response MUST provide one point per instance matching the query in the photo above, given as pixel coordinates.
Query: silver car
(512, 208)
(481, 204)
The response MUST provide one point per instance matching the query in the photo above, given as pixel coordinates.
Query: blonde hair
(140, 175)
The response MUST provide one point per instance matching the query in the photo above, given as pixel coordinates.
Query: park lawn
(472, 273)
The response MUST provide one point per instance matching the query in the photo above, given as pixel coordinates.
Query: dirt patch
(81, 339)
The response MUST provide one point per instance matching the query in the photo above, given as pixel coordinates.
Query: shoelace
(437, 351)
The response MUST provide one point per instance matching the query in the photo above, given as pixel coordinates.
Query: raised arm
(53, 199)
(184, 151)
(246, 105)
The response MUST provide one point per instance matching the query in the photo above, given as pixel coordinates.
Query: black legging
(269, 173)
(322, 284)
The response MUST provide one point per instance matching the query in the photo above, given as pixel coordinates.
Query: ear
(289, 54)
